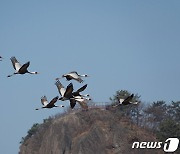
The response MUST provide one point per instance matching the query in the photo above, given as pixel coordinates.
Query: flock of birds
(67, 93)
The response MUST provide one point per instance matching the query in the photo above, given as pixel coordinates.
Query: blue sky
(132, 45)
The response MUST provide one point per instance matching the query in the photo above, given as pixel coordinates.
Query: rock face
(96, 131)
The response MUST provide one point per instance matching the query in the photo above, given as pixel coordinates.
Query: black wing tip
(57, 97)
(74, 72)
(70, 84)
(44, 97)
(57, 82)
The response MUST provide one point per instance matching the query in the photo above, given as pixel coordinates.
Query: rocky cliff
(97, 131)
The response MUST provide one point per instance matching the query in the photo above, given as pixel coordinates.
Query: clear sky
(121, 44)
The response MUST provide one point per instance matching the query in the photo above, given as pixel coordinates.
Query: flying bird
(126, 101)
(77, 92)
(20, 69)
(50, 104)
(73, 76)
(66, 93)
(82, 101)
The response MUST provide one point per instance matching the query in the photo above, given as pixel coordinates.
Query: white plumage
(44, 101)
(73, 76)
(66, 94)
(82, 101)
(20, 69)
(50, 104)
(126, 101)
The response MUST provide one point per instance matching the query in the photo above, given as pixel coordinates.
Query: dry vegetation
(95, 131)
(105, 130)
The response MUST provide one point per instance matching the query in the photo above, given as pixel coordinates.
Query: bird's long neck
(83, 75)
(59, 106)
(86, 95)
(32, 72)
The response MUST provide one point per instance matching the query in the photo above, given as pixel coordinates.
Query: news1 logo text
(170, 145)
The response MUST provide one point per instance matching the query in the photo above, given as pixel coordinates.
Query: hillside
(96, 131)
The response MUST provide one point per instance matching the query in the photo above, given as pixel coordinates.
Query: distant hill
(97, 131)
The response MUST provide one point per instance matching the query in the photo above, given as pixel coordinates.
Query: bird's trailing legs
(49, 108)
(11, 75)
(59, 106)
